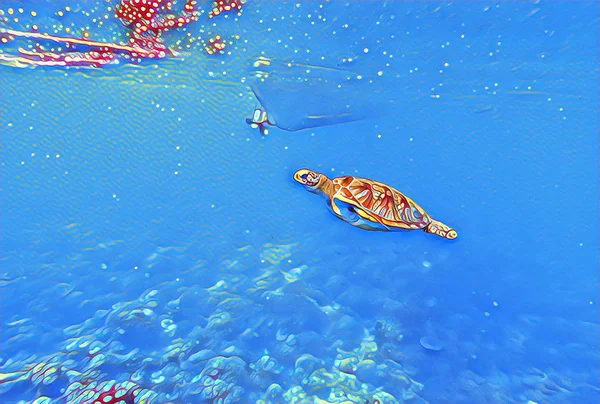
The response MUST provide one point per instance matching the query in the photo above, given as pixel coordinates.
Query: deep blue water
(149, 235)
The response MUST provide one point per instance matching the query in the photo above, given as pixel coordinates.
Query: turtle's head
(309, 179)
(440, 229)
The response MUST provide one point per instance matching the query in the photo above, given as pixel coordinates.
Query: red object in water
(107, 392)
(117, 395)
(216, 44)
(146, 21)
(220, 6)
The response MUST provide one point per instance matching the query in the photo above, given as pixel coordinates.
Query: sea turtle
(371, 205)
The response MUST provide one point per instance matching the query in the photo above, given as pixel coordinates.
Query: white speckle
(380, 73)
(366, 50)
(495, 304)
(487, 314)
(426, 264)
(379, 135)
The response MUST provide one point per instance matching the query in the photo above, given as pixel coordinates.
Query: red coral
(146, 21)
(221, 6)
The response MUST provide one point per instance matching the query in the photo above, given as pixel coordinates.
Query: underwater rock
(219, 380)
(109, 392)
(201, 356)
(305, 365)
(388, 330)
(267, 364)
(362, 299)
(274, 394)
(336, 285)
(342, 388)
(294, 274)
(431, 343)
(275, 253)
(392, 351)
(365, 370)
(306, 315)
(349, 330)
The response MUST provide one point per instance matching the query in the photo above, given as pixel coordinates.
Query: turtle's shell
(381, 203)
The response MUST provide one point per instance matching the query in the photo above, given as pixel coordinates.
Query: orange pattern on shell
(388, 205)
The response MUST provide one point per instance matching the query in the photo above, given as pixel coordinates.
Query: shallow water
(154, 245)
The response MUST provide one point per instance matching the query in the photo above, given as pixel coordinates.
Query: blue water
(150, 236)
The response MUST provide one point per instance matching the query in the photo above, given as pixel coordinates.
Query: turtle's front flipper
(343, 211)
(349, 214)
(440, 229)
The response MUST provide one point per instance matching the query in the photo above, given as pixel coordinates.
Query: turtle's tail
(440, 229)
